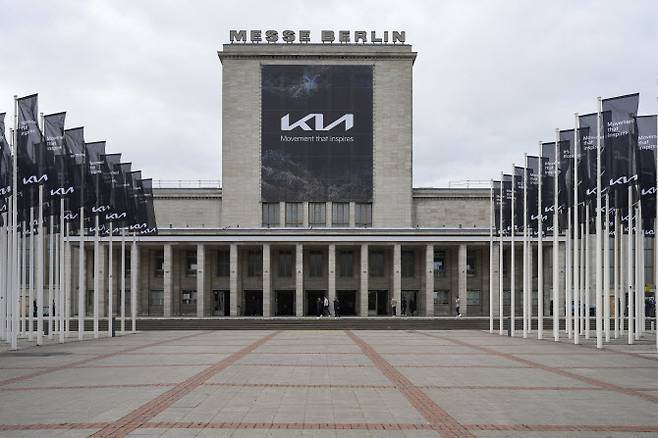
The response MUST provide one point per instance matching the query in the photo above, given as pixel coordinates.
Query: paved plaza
(328, 384)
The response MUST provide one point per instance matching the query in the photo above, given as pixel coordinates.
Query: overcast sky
(492, 78)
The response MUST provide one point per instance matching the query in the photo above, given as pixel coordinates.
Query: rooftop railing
(186, 183)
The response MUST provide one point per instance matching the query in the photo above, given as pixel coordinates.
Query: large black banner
(620, 140)
(533, 169)
(5, 161)
(519, 188)
(548, 185)
(506, 224)
(316, 133)
(587, 142)
(497, 191)
(646, 168)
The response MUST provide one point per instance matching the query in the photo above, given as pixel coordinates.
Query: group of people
(322, 307)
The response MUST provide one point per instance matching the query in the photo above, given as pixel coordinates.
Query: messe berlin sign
(326, 36)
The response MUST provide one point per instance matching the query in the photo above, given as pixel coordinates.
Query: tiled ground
(329, 384)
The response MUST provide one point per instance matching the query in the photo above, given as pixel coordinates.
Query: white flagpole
(491, 266)
(61, 284)
(4, 298)
(512, 262)
(597, 247)
(556, 230)
(22, 269)
(630, 273)
(500, 260)
(96, 277)
(525, 247)
(14, 231)
(573, 308)
(134, 263)
(81, 277)
(39, 270)
(540, 252)
(68, 280)
(638, 269)
(51, 277)
(123, 281)
(588, 271)
(30, 279)
(606, 272)
(567, 289)
(617, 275)
(110, 286)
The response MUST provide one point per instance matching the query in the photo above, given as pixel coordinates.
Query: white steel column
(500, 262)
(201, 280)
(491, 252)
(617, 276)
(97, 276)
(123, 280)
(299, 279)
(555, 254)
(363, 277)
(397, 278)
(30, 279)
(82, 277)
(39, 270)
(513, 257)
(525, 248)
(568, 291)
(597, 247)
(168, 285)
(267, 279)
(606, 272)
(588, 272)
(630, 274)
(134, 284)
(575, 290)
(540, 251)
(51, 277)
(429, 280)
(110, 281)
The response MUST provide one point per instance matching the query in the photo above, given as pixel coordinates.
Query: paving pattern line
(149, 410)
(439, 419)
(555, 370)
(93, 358)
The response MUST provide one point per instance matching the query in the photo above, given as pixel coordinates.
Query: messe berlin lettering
(326, 36)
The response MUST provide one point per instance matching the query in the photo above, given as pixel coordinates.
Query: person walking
(325, 305)
(404, 306)
(394, 305)
(459, 314)
(318, 307)
(336, 307)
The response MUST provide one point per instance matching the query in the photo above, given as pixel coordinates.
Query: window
(294, 214)
(159, 265)
(363, 215)
(188, 297)
(157, 297)
(223, 263)
(408, 261)
(315, 261)
(317, 216)
(254, 263)
(190, 263)
(285, 263)
(473, 298)
(439, 264)
(345, 264)
(376, 263)
(270, 214)
(340, 214)
(471, 270)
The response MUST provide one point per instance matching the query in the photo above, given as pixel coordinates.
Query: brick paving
(328, 384)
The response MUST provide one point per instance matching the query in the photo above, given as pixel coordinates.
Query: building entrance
(253, 303)
(285, 303)
(409, 305)
(312, 300)
(377, 303)
(221, 303)
(347, 300)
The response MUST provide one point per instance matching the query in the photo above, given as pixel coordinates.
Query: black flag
(519, 175)
(646, 167)
(506, 224)
(497, 190)
(548, 185)
(533, 170)
(58, 183)
(94, 163)
(620, 140)
(5, 162)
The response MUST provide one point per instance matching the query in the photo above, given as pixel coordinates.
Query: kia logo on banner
(35, 179)
(623, 180)
(347, 119)
(62, 191)
(101, 209)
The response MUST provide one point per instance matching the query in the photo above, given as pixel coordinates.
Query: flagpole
(597, 247)
(491, 266)
(630, 273)
(617, 276)
(51, 277)
(500, 261)
(110, 291)
(67, 269)
(123, 281)
(556, 230)
(96, 276)
(655, 252)
(512, 262)
(81, 276)
(3, 276)
(574, 308)
(14, 230)
(134, 263)
(606, 272)
(30, 280)
(39, 270)
(588, 271)
(525, 247)
(62, 302)
(568, 284)
(638, 269)
(540, 252)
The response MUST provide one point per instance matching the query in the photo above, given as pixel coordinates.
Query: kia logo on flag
(5, 190)
(101, 209)
(115, 216)
(61, 191)
(70, 216)
(35, 179)
(623, 180)
(649, 191)
(347, 119)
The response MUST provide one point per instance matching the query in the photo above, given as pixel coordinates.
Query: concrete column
(462, 279)
(397, 278)
(299, 280)
(562, 262)
(331, 274)
(134, 283)
(267, 283)
(363, 275)
(329, 213)
(200, 280)
(282, 214)
(102, 280)
(352, 214)
(168, 278)
(233, 279)
(429, 280)
(496, 282)
(531, 284)
(305, 213)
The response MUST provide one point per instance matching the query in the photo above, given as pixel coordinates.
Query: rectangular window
(345, 264)
(254, 263)
(315, 261)
(188, 298)
(157, 297)
(285, 263)
(439, 264)
(408, 261)
(473, 298)
(340, 214)
(376, 263)
(223, 263)
(270, 214)
(294, 214)
(363, 215)
(471, 265)
(190, 263)
(317, 216)
(158, 265)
